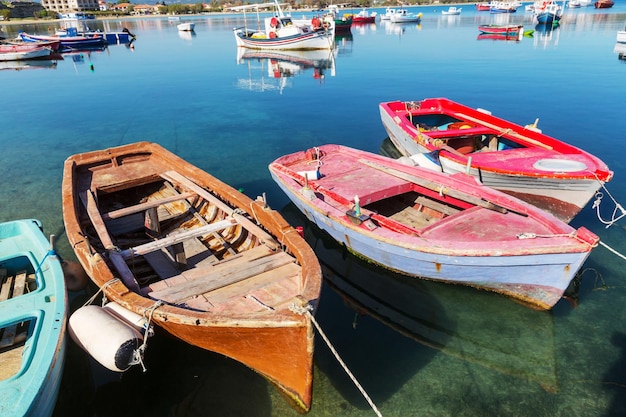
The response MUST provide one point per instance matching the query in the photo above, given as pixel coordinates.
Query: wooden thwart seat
(177, 238)
(212, 278)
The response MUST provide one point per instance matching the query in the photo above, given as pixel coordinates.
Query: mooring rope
(612, 250)
(147, 315)
(307, 310)
(618, 207)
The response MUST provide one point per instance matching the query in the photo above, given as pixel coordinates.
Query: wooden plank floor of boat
(242, 274)
(12, 338)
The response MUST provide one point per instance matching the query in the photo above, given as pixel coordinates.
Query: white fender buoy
(138, 321)
(109, 340)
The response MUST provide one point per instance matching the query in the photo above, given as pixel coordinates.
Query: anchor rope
(307, 310)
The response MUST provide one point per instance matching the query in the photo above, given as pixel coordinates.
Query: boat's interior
(17, 277)
(182, 245)
(413, 209)
(463, 136)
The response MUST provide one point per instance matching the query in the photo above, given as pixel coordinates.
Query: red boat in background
(364, 17)
(483, 7)
(604, 4)
(520, 160)
(509, 30)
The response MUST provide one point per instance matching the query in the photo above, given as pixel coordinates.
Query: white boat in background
(281, 32)
(404, 16)
(186, 26)
(621, 36)
(451, 11)
(389, 11)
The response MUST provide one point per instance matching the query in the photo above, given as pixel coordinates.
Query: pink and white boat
(443, 135)
(23, 51)
(433, 225)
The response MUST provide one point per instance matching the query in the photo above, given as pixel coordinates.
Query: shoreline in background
(35, 21)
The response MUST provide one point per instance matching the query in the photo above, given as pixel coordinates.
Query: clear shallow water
(486, 356)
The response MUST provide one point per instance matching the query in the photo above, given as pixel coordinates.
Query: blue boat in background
(548, 12)
(33, 309)
(71, 39)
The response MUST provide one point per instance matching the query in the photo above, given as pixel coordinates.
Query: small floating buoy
(75, 276)
(111, 341)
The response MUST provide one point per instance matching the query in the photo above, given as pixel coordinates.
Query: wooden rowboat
(215, 269)
(33, 306)
(447, 136)
(428, 224)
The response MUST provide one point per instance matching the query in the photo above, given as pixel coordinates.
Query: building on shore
(63, 6)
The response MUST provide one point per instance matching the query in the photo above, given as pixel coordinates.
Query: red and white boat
(443, 135)
(433, 225)
(20, 51)
(364, 17)
(483, 7)
(281, 32)
(510, 30)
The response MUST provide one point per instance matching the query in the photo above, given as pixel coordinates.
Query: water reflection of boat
(500, 37)
(475, 326)
(30, 64)
(620, 50)
(281, 65)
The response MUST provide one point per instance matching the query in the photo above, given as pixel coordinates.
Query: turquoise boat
(33, 308)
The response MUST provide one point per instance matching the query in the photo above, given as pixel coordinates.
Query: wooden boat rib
(432, 225)
(220, 271)
(33, 306)
(450, 137)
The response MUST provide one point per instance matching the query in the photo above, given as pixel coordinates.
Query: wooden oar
(439, 188)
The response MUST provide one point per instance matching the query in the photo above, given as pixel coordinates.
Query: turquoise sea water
(452, 351)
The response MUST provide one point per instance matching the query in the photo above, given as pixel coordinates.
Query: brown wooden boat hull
(275, 341)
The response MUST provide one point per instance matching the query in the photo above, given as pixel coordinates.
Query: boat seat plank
(8, 336)
(435, 205)
(116, 258)
(226, 276)
(7, 282)
(286, 284)
(175, 238)
(173, 279)
(185, 182)
(145, 206)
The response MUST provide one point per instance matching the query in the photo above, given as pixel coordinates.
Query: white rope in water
(615, 216)
(305, 310)
(612, 250)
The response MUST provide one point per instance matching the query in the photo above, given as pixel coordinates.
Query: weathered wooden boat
(33, 306)
(212, 267)
(282, 32)
(432, 225)
(510, 30)
(71, 40)
(447, 136)
(472, 325)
